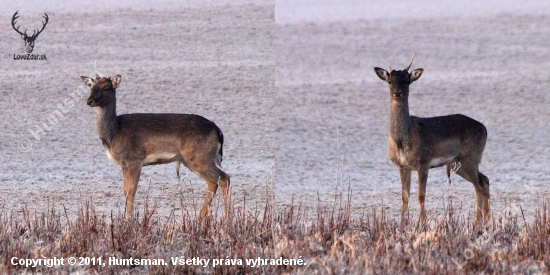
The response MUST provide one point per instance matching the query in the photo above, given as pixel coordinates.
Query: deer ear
(116, 81)
(382, 74)
(90, 82)
(415, 75)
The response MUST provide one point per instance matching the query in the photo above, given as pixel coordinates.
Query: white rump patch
(156, 157)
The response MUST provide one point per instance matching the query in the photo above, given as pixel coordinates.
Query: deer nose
(90, 101)
(398, 93)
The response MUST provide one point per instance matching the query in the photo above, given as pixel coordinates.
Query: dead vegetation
(329, 242)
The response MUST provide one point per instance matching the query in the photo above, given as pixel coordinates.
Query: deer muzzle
(91, 102)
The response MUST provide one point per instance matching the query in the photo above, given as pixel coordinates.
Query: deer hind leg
(422, 181)
(130, 174)
(405, 175)
(470, 173)
(214, 176)
(212, 188)
(486, 195)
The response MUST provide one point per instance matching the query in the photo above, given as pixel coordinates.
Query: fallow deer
(136, 140)
(422, 143)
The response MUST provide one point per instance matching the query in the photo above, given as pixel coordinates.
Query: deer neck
(400, 121)
(107, 123)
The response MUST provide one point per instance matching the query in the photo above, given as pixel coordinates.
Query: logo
(29, 40)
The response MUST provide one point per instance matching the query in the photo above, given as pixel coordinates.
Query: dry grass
(330, 242)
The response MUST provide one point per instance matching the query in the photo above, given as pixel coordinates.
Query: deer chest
(111, 157)
(400, 155)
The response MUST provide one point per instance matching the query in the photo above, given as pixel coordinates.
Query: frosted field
(488, 62)
(292, 88)
(211, 58)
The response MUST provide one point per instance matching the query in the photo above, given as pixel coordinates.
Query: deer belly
(437, 162)
(159, 158)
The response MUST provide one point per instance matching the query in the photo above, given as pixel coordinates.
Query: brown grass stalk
(331, 242)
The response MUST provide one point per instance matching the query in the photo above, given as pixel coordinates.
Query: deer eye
(389, 82)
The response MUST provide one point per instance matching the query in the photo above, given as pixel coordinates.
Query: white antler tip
(408, 67)
(95, 69)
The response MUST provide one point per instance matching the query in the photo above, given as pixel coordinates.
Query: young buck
(136, 140)
(422, 143)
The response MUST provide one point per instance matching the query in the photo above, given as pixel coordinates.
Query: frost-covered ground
(323, 125)
(491, 63)
(209, 58)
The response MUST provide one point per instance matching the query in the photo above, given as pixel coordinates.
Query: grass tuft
(331, 242)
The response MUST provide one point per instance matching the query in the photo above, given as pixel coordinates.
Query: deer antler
(391, 69)
(95, 69)
(408, 67)
(13, 24)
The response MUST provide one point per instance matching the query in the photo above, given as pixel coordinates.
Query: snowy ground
(489, 64)
(209, 58)
(291, 86)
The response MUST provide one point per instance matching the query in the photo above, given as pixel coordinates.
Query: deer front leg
(405, 175)
(422, 181)
(130, 174)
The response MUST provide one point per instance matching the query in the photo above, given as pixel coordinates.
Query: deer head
(399, 80)
(29, 40)
(102, 90)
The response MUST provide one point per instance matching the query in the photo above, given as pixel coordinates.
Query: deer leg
(224, 183)
(212, 188)
(130, 174)
(470, 173)
(405, 175)
(484, 181)
(214, 177)
(422, 181)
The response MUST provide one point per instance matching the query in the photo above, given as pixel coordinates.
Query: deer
(141, 139)
(29, 40)
(419, 144)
